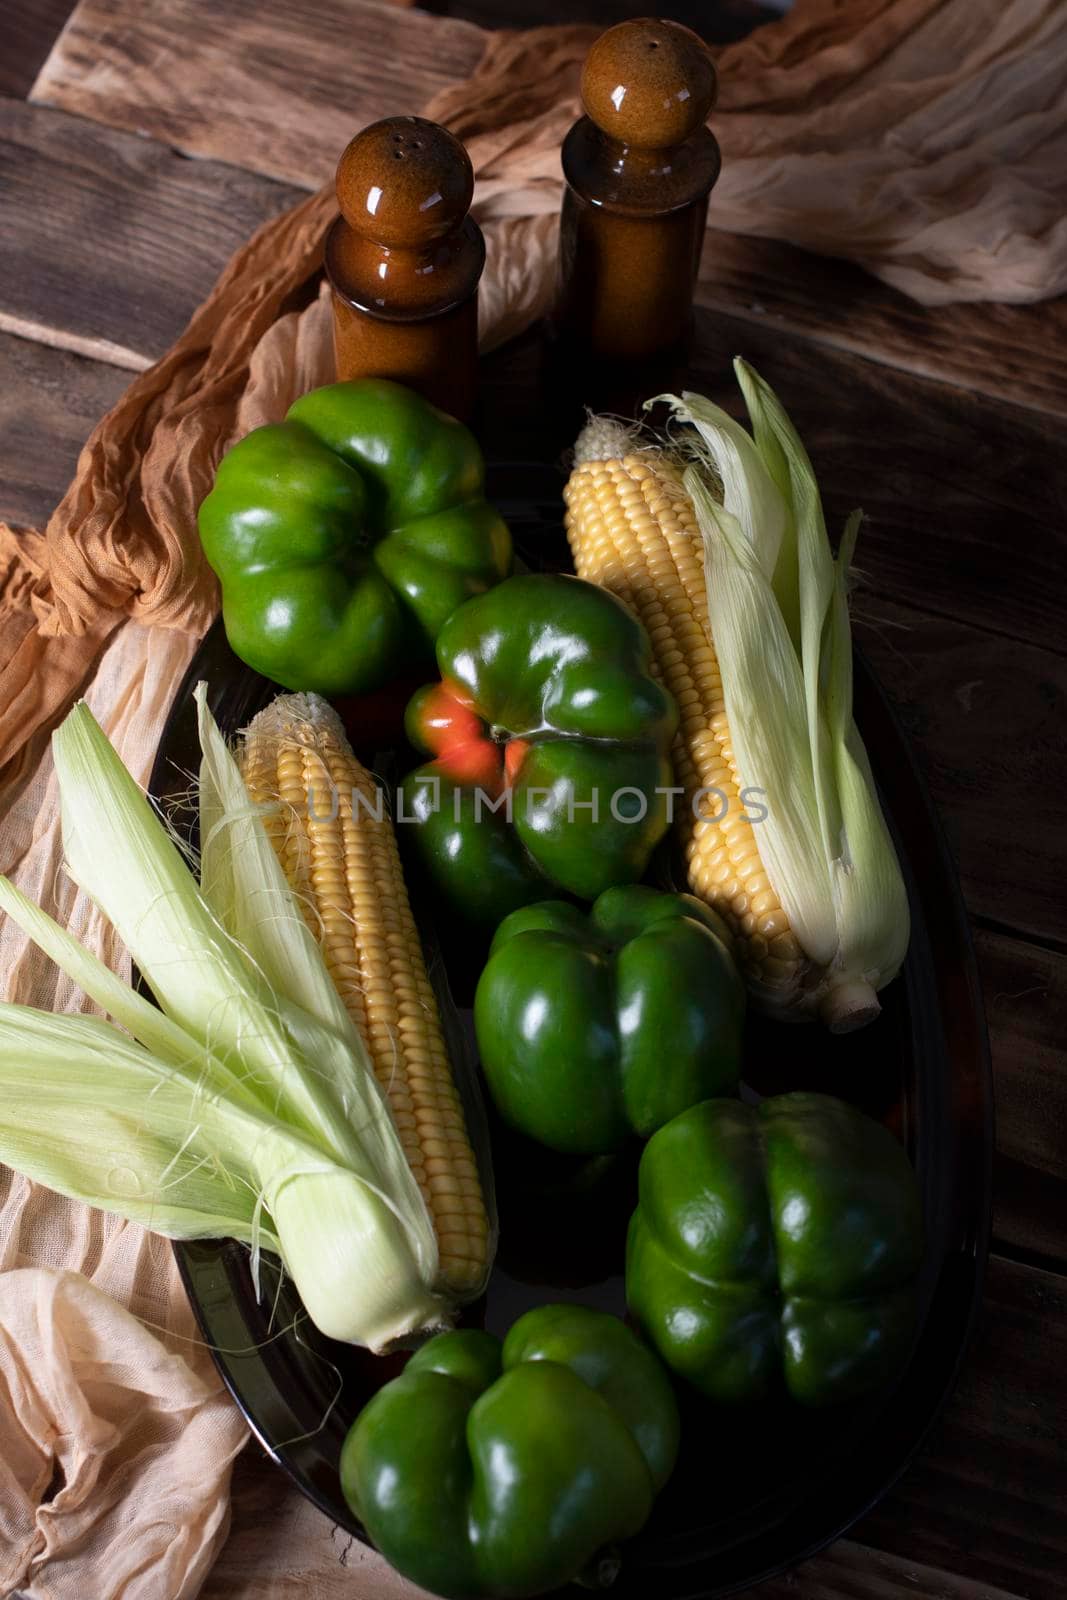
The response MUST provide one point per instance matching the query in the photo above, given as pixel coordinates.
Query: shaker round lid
(649, 83)
(404, 182)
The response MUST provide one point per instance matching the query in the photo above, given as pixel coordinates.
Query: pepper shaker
(404, 259)
(639, 167)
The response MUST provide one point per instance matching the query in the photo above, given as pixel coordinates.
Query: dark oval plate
(755, 1492)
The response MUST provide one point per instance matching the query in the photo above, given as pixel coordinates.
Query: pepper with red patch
(467, 751)
(550, 743)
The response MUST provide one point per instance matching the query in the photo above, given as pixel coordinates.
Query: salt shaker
(639, 168)
(404, 259)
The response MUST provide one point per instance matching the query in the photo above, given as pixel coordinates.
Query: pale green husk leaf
(146, 1140)
(760, 669)
(248, 1109)
(871, 901)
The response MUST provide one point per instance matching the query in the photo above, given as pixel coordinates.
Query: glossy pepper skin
(346, 535)
(546, 710)
(596, 1026)
(778, 1242)
(489, 1469)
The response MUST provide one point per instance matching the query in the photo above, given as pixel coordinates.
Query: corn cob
(632, 529)
(340, 857)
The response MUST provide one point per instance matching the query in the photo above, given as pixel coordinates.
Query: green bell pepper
(593, 1027)
(551, 742)
(490, 1470)
(345, 536)
(776, 1242)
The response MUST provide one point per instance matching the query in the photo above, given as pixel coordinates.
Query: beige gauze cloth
(922, 138)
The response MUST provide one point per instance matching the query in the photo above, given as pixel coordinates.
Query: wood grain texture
(153, 231)
(994, 1461)
(159, 69)
(1006, 352)
(1016, 353)
(281, 1548)
(986, 717)
(719, 21)
(109, 242)
(50, 400)
(965, 497)
(28, 30)
(1025, 993)
(273, 1524)
(985, 1497)
(277, 86)
(853, 1571)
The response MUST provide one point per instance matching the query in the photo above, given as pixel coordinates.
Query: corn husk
(778, 610)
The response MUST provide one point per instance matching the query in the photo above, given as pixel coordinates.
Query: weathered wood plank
(1016, 353)
(1025, 994)
(109, 242)
(973, 1519)
(985, 1497)
(278, 86)
(28, 30)
(153, 230)
(281, 1548)
(181, 76)
(49, 402)
(965, 497)
(986, 715)
(852, 1571)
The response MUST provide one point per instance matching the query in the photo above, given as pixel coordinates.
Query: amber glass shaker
(639, 168)
(404, 259)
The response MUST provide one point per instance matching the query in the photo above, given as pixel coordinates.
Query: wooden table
(947, 426)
